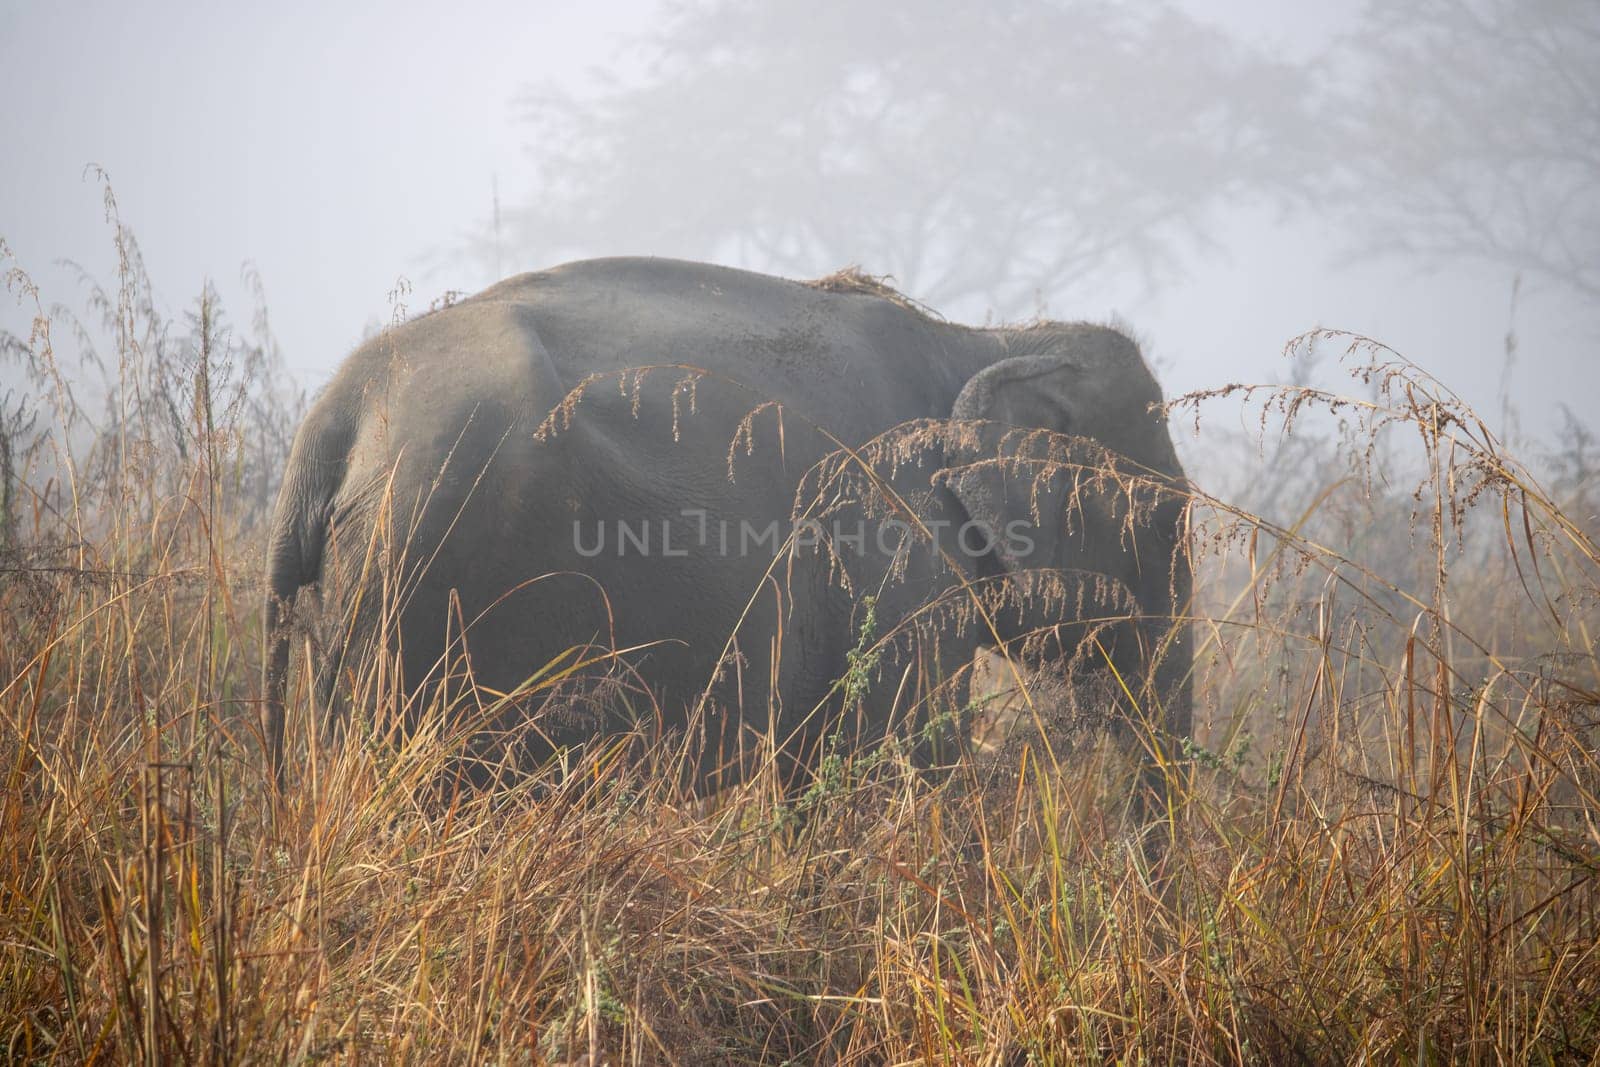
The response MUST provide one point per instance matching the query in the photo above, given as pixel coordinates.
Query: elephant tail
(297, 537)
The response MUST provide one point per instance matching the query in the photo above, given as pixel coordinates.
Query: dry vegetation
(1382, 843)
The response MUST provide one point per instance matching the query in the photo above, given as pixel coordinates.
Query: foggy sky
(341, 150)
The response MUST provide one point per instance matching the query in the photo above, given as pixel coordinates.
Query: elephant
(752, 506)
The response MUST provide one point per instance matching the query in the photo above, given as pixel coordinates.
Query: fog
(1221, 178)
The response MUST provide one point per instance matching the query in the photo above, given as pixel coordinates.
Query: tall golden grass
(1381, 845)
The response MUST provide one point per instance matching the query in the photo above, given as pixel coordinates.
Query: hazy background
(1221, 176)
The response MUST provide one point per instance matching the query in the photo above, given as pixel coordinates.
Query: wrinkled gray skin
(448, 418)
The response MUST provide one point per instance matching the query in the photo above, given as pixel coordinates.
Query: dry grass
(1382, 844)
(852, 279)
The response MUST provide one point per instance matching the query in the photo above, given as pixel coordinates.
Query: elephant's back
(855, 356)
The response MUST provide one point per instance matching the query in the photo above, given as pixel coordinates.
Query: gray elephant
(721, 505)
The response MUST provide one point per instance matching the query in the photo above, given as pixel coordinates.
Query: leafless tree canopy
(986, 156)
(1471, 130)
(991, 156)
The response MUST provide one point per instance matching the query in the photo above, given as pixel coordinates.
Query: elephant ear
(1086, 383)
(1007, 479)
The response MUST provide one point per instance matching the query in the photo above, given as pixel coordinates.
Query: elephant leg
(804, 728)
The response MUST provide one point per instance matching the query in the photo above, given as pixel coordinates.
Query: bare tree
(1470, 129)
(986, 155)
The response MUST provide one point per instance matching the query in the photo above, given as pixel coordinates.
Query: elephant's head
(1126, 520)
